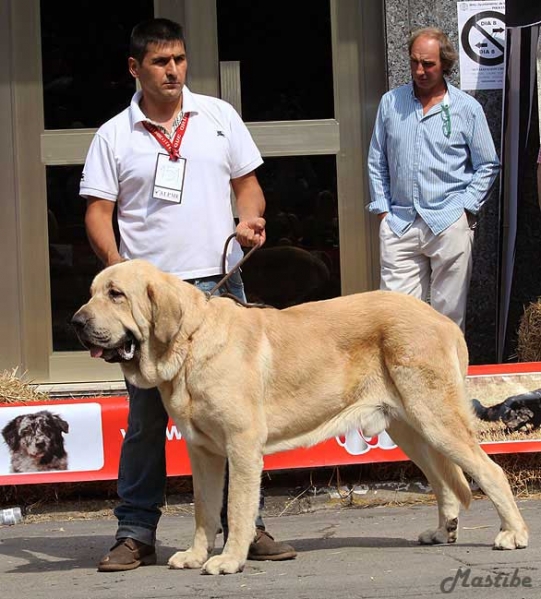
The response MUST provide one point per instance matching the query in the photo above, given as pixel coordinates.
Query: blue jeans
(142, 471)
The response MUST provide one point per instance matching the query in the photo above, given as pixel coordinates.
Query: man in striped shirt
(431, 165)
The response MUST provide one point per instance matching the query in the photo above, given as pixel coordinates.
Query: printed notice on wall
(481, 32)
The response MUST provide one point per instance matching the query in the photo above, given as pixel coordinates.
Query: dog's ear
(61, 423)
(166, 312)
(11, 433)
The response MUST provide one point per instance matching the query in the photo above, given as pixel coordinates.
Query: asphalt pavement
(342, 552)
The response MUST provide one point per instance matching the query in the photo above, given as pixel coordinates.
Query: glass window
(87, 81)
(285, 55)
(300, 261)
(72, 262)
(84, 56)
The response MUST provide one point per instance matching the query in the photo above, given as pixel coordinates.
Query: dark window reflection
(285, 55)
(300, 261)
(85, 59)
(72, 262)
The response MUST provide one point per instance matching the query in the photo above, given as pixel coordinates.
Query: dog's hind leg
(245, 455)
(445, 427)
(446, 479)
(208, 473)
(492, 480)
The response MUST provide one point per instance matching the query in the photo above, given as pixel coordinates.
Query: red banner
(91, 432)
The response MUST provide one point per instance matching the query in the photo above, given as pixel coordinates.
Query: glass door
(284, 89)
(301, 75)
(85, 83)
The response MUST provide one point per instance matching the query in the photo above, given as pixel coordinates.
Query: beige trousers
(434, 268)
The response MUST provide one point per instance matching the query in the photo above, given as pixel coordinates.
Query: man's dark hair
(154, 31)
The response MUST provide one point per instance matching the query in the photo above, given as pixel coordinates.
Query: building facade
(306, 77)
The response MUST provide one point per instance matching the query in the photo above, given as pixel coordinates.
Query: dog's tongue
(96, 352)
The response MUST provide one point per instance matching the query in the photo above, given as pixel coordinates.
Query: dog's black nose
(78, 320)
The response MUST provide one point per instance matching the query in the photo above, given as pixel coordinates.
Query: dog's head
(38, 435)
(519, 417)
(134, 315)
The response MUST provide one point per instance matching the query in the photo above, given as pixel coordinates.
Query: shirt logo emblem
(220, 133)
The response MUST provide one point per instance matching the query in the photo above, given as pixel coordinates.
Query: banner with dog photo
(80, 439)
(53, 438)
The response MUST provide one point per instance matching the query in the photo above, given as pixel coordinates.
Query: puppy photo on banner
(55, 437)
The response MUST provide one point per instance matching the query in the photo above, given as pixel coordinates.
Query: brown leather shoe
(264, 548)
(127, 554)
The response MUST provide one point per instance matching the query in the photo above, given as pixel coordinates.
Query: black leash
(227, 276)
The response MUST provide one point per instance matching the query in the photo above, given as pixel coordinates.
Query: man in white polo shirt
(167, 163)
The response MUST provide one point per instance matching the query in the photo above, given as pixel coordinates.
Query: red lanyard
(172, 147)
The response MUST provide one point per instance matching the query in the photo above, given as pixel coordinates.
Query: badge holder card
(169, 179)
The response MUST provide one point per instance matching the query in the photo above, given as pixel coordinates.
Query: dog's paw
(222, 564)
(433, 537)
(186, 559)
(438, 536)
(511, 539)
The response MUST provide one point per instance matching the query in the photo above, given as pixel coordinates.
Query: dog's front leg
(208, 471)
(245, 466)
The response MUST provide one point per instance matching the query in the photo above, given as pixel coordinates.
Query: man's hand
(251, 232)
(382, 215)
(116, 259)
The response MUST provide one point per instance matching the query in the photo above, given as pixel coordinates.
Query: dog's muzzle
(100, 345)
(121, 353)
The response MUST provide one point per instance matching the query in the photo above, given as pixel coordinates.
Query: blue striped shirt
(414, 168)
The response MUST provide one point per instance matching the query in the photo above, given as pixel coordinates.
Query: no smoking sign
(483, 37)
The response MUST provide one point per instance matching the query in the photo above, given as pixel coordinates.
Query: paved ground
(343, 552)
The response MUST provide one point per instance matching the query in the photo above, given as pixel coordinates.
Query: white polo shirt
(185, 239)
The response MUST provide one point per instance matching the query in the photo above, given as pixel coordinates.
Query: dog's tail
(456, 479)
(490, 414)
(479, 409)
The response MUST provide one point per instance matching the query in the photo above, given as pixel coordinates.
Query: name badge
(169, 179)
